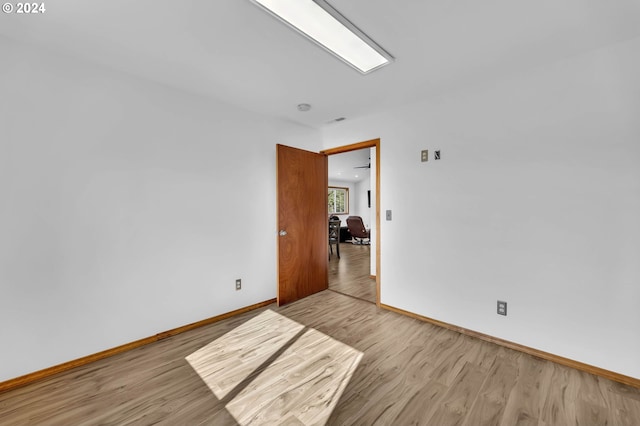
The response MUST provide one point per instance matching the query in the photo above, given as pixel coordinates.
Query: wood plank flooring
(351, 273)
(410, 373)
(271, 368)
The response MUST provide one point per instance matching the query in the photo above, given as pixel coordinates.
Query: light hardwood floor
(351, 273)
(410, 372)
(272, 368)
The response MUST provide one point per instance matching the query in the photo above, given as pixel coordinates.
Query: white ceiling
(233, 51)
(342, 167)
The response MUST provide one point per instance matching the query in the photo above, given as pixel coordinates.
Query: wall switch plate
(502, 308)
(436, 155)
(424, 155)
(388, 214)
(238, 284)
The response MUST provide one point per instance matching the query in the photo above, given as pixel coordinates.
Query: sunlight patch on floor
(303, 372)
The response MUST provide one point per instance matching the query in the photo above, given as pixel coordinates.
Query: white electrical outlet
(502, 308)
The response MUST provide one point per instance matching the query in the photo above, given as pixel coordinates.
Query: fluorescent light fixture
(324, 25)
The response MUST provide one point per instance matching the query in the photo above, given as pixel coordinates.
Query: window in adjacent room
(338, 200)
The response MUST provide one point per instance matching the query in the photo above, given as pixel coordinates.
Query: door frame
(373, 143)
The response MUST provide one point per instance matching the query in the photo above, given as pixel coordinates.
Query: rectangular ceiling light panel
(321, 23)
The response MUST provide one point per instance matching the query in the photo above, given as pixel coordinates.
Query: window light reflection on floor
(272, 368)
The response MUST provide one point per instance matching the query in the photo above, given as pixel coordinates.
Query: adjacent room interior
(353, 272)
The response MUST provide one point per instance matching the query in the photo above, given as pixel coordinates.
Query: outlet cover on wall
(238, 284)
(502, 308)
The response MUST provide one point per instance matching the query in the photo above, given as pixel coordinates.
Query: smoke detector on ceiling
(304, 107)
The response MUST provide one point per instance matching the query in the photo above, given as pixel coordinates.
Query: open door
(303, 227)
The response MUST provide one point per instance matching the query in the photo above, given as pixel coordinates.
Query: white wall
(126, 208)
(360, 196)
(536, 201)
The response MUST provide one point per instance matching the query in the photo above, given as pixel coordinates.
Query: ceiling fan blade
(368, 166)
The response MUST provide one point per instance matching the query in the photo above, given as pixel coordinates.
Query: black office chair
(334, 235)
(357, 230)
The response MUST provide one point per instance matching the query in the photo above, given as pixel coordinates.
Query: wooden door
(303, 227)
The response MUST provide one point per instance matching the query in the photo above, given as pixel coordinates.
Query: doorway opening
(357, 271)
